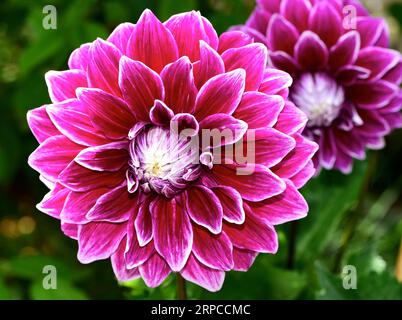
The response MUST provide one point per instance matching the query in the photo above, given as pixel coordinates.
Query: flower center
(319, 97)
(162, 162)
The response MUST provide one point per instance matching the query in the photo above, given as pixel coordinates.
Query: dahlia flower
(346, 79)
(128, 186)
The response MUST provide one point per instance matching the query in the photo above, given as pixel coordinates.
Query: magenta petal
(180, 90)
(140, 86)
(79, 58)
(327, 151)
(259, 110)
(283, 61)
(188, 29)
(80, 179)
(220, 94)
(311, 52)
(71, 118)
(119, 265)
(160, 114)
(252, 58)
(53, 156)
(106, 209)
(208, 278)
(253, 182)
(135, 254)
(243, 259)
(121, 35)
(70, 230)
(254, 234)
(109, 157)
(297, 12)
(103, 66)
(53, 202)
(40, 124)
(228, 129)
(214, 251)
(209, 65)
(378, 60)
(275, 82)
(108, 114)
(326, 22)
(372, 95)
(370, 30)
(78, 204)
(172, 230)
(232, 204)
(304, 175)
(395, 74)
(297, 158)
(291, 119)
(233, 39)
(281, 34)
(152, 43)
(288, 206)
(204, 208)
(62, 84)
(349, 75)
(345, 51)
(154, 271)
(99, 240)
(270, 5)
(143, 223)
(349, 144)
(183, 121)
(270, 146)
(258, 20)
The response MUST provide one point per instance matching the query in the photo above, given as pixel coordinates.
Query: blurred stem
(292, 245)
(181, 287)
(355, 213)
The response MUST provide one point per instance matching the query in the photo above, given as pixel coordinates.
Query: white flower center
(319, 97)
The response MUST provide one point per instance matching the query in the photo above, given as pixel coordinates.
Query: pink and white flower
(124, 191)
(346, 79)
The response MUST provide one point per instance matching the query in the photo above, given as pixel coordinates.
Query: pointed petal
(311, 52)
(345, 51)
(72, 120)
(173, 234)
(209, 65)
(232, 204)
(281, 34)
(140, 86)
(152, 43)
(214, 251)
(254, 234)
(220, 94)
(154, 271)
(233, 39)
(243, 259)
(80, 179)
(99, 240)
(103, 67)
(53, 156)
(208, 278)
(108, 157)
(253, 182)
(40, 124)
(114, 206)
(79, 58)
(259, 110)
(252, 58)
(180, 90)
(119, 265)
(121, 35)
(204, 208)
(188, 29)
(62, 84)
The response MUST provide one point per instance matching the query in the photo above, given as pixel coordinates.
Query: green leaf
(329, 197)
(64, 291)
(262, 281)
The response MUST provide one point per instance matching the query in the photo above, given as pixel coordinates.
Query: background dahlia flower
(346, 79)
(123, 191)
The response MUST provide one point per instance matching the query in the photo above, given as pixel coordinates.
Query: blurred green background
(353, 220)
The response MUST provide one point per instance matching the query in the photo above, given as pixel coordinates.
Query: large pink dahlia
(127, 186)
(346, 79)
